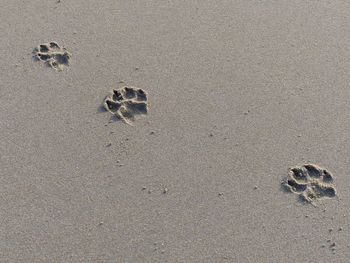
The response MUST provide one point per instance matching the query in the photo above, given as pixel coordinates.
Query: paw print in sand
(127, 102)
(53, 55)
(310, 182)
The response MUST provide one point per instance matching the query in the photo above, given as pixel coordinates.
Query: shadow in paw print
(296, 186)
(54, 45)
(126, 103)
(62, 59)
(52, 55)
(313, 171)
(310, 182)
(298, 174)
(324, 190)
(43, 48)
(327, 177)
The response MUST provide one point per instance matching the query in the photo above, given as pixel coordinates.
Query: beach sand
(238, 92)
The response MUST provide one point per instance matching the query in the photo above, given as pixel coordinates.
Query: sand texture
(239, 95)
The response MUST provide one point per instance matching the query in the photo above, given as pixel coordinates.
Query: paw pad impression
(127, 102)
(310, 182)
(53, 55)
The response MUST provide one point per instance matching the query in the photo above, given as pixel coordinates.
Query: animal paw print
(127, 102)
(310, 182)
(53, 55)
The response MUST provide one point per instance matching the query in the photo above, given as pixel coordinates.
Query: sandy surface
(238, 92)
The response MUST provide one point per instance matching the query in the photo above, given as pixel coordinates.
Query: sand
(238, 92)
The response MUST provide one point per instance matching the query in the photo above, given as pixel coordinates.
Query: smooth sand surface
(239, 91)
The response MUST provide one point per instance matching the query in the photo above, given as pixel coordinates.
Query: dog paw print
(53, 55)
(310, 182)
(127, 102)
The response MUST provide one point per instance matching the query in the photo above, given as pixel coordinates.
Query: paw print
(310, 182)
(127, 102)
(53, 55)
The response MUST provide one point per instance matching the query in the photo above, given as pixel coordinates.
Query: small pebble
(109, 144)
(221, 194)
(165, 190)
